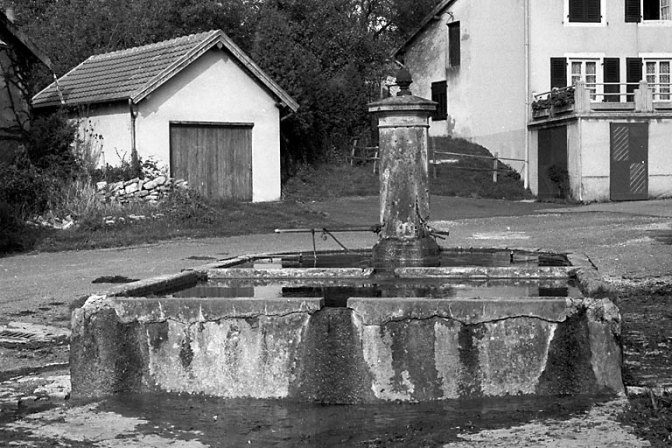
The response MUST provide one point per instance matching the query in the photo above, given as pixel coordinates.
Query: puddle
(336, 292)
(448, 258)
(662, 236)
(114, 279)
(235, 423)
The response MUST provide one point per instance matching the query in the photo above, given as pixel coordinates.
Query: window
(656, 9)
(586, 71)
(612, 79)
(648, 10)
(439, 95)
(658, 78)
(594, 71)
(454, 44)
(585, 11)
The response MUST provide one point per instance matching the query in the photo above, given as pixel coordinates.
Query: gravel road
(629, 242)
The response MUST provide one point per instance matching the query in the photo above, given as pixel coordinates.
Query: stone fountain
(407, 325)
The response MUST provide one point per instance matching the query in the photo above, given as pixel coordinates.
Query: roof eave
(25, 41)
(211, 41)
(428, 18)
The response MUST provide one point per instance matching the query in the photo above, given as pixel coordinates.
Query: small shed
(17, 54)
(197, 103)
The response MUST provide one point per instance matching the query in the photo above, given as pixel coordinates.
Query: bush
(26, 190)
(22, 192)
(49, 146)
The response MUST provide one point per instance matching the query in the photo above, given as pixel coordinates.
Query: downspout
(134, 149)
(58, 88)
(526, 32)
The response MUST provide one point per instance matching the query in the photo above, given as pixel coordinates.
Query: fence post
(494, 167)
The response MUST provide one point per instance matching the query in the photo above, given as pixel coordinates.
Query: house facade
(500, 71)
(17, 53)
(196, 103)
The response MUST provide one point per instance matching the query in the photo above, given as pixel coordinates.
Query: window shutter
(558, 72)
(439, 96)
(612, 73)
(633, 12)
(576, 10)
(633, 74)
(593, 12)
(454, 44)
(585, 11)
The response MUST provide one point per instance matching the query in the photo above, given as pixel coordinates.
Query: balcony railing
(584, 98)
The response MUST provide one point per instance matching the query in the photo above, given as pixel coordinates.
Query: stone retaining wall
(150, 190)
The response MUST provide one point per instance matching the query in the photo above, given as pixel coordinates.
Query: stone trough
(403, 322)
(258, 337)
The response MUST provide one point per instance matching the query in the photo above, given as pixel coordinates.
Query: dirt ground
(629, 243)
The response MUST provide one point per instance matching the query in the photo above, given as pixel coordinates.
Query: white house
(197, 103)
(492, 64)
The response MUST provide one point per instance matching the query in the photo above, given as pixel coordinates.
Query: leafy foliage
(327, 55)
(49, 145)
(557, 98)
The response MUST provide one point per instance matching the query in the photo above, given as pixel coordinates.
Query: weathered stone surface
(131, 188)
(235, 357)
(369, 350)
(380, 311)
(428, 349)
(227, 347)
(404, 182)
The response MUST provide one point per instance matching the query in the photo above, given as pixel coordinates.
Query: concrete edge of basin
(142, 309)
(381, 311)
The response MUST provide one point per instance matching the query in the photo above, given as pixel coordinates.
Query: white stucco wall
(486, 94)
(589, 158)
(488, 98)
(660, 158)
(593, 150)
(595, 140)
(213, 89)
(113, 123)
(551, 35)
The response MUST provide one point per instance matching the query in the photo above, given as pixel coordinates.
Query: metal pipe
(375, 229)
(134, 150)
(526, 44)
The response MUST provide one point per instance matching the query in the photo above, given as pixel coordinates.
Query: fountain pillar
(403, 121)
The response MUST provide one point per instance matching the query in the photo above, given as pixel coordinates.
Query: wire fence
(434, 162)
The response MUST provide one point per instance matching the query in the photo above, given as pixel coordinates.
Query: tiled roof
(136, 72)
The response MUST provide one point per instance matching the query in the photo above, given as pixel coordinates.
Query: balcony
(595, 100)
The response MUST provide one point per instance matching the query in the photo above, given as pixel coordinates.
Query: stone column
(403, 121)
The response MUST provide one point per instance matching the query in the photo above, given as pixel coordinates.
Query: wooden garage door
(216, 159)
(629, 173)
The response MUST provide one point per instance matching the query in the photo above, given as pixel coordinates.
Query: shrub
(25, 190)
(49, 145)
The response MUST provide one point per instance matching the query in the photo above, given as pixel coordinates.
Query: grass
(468, 177)
(182, 218)
(192, 216)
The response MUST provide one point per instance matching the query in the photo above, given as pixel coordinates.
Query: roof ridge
(156, 45)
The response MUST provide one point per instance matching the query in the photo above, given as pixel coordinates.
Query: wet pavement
(628, 242)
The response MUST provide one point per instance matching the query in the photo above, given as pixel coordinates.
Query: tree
(329, 55)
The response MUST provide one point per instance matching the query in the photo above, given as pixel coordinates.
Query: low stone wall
(373, 349)
(151, 190)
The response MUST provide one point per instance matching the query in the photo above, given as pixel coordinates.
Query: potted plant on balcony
(556, 102)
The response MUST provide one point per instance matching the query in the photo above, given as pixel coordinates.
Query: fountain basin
(391, 345)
